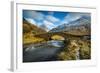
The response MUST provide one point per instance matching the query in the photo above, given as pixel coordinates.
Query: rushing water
(42, 51)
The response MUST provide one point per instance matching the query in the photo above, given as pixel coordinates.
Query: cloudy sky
(51, 19)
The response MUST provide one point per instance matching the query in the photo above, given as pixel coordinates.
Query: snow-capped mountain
(81, 25)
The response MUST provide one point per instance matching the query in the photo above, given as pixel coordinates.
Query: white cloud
(34, 15)
(32, 21)
(49, 25)
(74, 16)
(52, 19)
(64, 22)
(39, 23)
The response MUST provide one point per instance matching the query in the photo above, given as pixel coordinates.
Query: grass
(28, 38)
(69, 52)
(57, 37)
(85, 50)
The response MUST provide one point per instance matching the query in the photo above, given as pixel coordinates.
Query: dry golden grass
(57, 37)
(69, 52)
(28, 38)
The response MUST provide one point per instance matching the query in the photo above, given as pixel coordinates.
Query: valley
(60, 43)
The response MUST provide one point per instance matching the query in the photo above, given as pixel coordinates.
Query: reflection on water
(43, 51)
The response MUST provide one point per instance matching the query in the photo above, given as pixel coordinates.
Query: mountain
(80, 26)
(28, 27)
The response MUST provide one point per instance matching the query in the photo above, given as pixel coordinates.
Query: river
(43, 51)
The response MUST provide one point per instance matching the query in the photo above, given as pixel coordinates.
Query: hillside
(28, 27)
(79, 27)
(29, 30)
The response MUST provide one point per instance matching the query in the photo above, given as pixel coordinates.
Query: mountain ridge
(28, 27)
(80, 26)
